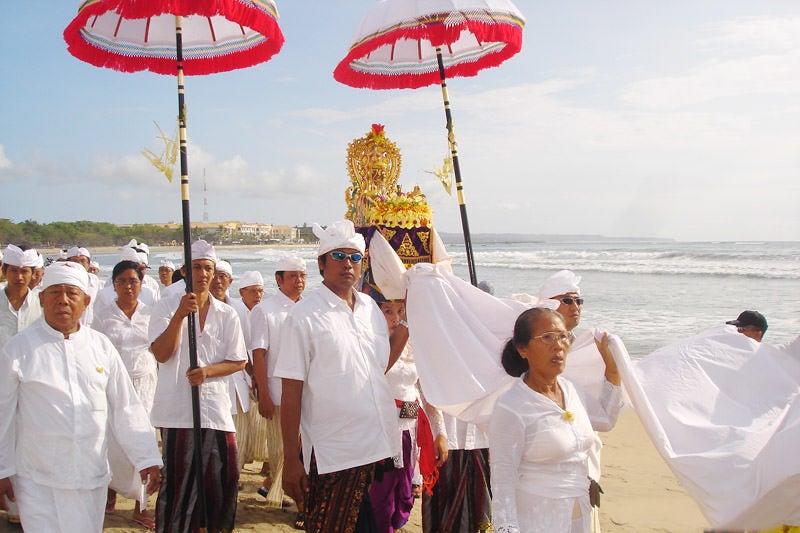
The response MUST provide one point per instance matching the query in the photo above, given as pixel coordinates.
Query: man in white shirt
(19, 307)
(251, 289)
(63, 386)
(266, 321)
(220, 352)
(334, 351)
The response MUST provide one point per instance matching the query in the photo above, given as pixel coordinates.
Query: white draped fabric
(721, 409)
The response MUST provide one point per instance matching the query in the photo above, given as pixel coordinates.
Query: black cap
(750, 318)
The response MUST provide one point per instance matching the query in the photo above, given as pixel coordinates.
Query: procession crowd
(102, 386)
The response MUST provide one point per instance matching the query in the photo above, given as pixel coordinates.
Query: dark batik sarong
(461, 500)
(338, 502)
(177, 500)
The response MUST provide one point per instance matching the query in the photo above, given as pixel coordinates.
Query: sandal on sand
(300, 521)
(416, 491)
(145, 521)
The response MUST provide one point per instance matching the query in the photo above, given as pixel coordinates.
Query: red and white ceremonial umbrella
(177, 37)
(406, 44)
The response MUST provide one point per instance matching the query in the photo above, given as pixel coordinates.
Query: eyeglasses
(339, 255)
(552, 337)
(566, 300)
(127, 282)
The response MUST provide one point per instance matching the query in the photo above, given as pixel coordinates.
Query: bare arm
(165, 346)
(225, 368)
(295, 480)
(397, 342)
(265, 406)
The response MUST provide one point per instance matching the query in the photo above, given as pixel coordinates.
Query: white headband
(340, 234)
(65, 272)
(202, 250)
(251, 278)
(14, 256)
(77, 252)
(562, 282)
(223, 266)
(288, 263)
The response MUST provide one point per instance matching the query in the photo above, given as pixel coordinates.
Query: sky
(636, 118)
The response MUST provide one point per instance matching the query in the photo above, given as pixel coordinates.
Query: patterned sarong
(338, 502)
(461, 500)
(177, 499)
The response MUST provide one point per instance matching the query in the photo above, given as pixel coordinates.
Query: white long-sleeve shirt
(58, 398)
(540, 453)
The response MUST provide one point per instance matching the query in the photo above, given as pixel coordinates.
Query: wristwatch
(404, 324)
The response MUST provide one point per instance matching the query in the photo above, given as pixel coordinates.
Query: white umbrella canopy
(135, 35)
(407, 44)
(396, 44)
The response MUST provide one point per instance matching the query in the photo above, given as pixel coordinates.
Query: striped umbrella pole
(451, 140)
(187, 257)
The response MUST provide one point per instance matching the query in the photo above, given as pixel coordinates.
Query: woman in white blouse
(125, 323)
(542, 429)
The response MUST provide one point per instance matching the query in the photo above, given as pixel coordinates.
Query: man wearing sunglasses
(333, 353)
(563, 287)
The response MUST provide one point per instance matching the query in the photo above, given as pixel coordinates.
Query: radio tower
(205, 198)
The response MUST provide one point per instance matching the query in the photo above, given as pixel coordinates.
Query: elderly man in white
(63, 387)
(266, 322)
(334, 351)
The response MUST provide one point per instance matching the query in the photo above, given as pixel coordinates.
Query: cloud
(5, 162)
(736, 58)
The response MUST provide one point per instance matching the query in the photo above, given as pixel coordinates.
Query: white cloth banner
(723, 411)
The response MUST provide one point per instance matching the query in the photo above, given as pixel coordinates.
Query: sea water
(650, 293)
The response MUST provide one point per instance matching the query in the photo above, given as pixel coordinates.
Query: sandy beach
(641, 494)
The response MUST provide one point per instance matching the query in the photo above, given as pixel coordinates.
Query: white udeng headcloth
(340, 234)
(14, 256)
(65, 272)
(76, 251)
(223, 266)
(288, 263)
(561, 282)
(167, 263)
(129, 254)
(203, 250)
(251, 278)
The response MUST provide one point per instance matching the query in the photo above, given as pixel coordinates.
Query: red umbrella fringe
(244, 14)
(438, 35)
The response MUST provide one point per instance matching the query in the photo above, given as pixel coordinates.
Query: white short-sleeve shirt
(348, 416)
(266, 320)
(220, 340)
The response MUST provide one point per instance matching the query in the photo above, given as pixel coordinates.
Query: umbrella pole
(187, 258)
(451, 140)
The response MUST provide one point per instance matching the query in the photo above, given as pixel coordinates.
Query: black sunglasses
(338, 255)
